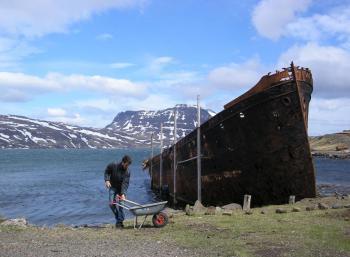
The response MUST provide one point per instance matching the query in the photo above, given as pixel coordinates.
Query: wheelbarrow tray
(148, 209)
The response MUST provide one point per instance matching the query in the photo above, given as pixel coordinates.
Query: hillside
(336, 145)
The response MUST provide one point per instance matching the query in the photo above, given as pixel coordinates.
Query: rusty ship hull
(258, 145)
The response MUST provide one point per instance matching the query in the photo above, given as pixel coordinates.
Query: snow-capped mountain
(141, 124)
(128, 129)
(22, 132)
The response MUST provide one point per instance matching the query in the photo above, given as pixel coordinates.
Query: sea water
(66, 186)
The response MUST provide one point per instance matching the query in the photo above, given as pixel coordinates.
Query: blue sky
(82, 62)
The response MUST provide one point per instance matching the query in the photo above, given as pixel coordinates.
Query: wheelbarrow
(159, 219)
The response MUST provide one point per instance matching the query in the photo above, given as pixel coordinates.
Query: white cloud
(330, 67)
(271, 16)
(37, 17)
(74, 119)
(152, 102)
(335, 24)
(21, 21)
(12, 51)
(158, 64)
(237, 75)
(104, 37)
(288, 22)
(329, 115)
(121, 65)
(56, 112)
(12, 85)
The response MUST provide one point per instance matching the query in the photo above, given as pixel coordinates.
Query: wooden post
(246, 203)
(199, 171)
(292, 199)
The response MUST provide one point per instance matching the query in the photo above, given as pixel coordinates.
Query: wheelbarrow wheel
(160, 219)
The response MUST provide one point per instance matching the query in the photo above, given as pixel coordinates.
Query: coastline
(311, 227)
(331, 155)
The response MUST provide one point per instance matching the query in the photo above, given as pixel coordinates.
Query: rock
(280, 210)
(263, 211)
(22, 222)
(198, 207)
(189, 210)
(296, 209)
(323, 206)
(337, 206)
(310, 208)
(345, 197)
(248, 212)
(218, 210)
(347, 206)
(211, 210)
(232, 207)
(228, 213)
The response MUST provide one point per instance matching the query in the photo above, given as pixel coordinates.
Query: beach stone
(280, 210)
(22, 222)
(211, 210)
(337, 206)
(218, 210)
(198, 207)
(227, 213)
(296, 209)
(189, 210)
(310, 208)
(323, 206)
(345, 197)
(232, 206)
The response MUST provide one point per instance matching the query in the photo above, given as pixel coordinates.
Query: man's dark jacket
(118, 176)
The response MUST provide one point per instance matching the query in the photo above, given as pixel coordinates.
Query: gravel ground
(107, 241)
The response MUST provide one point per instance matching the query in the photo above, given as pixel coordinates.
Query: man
(117, 176)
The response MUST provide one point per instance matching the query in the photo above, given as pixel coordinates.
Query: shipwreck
(258, 145)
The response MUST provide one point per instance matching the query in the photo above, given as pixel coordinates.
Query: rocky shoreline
(276, 230)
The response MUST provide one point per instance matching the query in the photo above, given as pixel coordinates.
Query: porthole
(286, 101)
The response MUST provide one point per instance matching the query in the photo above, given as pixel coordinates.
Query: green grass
(302, 234)
(291, 234)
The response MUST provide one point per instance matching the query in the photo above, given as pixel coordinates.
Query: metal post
(161, 160)
(174, 148)
(199, 171)
(151, 160)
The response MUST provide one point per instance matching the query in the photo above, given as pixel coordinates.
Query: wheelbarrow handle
(137, 204)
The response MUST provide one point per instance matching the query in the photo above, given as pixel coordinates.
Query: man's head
(126, 161)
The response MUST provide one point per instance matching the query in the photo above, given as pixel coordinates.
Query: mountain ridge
(128, 129)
